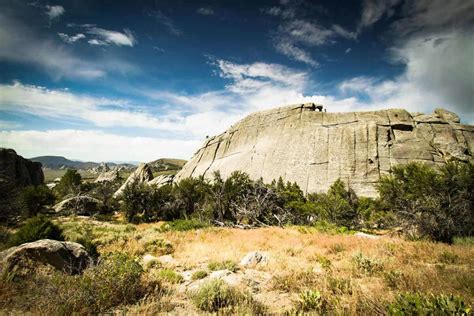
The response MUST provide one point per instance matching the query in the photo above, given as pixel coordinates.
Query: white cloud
(54, 11)
(64, 105)
(348, 50)
(287, 48)
(166, 21)
(71, 39)
(9, 124)
(374, 10)
(95, 145)
(423, 86)
(205, 11)
(106, 37)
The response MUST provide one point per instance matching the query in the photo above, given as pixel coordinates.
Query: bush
(216, 295)
(420, 304)
(223, 265)
(36, 228)
(311, 300)
(170, 276)
(198, 275)
(116, 280)
(436, 204)
(33, 199)
(183, 225)
(365, 264)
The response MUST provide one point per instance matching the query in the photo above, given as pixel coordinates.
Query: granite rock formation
(16, 173)
(78, 205)
(315, 148)
(108, 176)
(143, 174)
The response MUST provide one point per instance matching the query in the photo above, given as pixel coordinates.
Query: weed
(447, 257)
(198, 275)
(421, 304)
(311, 300)
(181, 225)
(170, 276)
(336, 248)
(365, 264)
(223, 265)
(324, 262)
(339, 285)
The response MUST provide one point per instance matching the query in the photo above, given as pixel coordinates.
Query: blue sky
(136, 81)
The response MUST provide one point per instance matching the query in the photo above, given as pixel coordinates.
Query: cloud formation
(54, 11)
(205, 11)
(166, 21)
(106, 37)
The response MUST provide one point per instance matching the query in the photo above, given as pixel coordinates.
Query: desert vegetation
(182, 247)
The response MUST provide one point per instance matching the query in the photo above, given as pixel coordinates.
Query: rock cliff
(16, 172)
(315, 148)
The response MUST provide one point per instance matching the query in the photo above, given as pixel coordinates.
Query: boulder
(142, 174)
(45, 255)
(254, 258)
(447, 115)
(108, 176)
(79, 205)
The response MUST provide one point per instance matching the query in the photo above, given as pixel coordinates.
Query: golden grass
(300, 260)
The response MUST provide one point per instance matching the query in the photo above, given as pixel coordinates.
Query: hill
(59, 162)
(166, 164)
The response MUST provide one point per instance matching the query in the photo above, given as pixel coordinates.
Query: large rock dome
(314, 148)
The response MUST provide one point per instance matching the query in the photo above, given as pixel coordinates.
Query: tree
(438, 204)
(190, 193)
(34, 199)
(69, 184)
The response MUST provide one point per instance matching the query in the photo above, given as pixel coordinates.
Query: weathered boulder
(447, 115)
(161, 180)
(143, 174)
(254, 258)
(45, 255)
(16, 173)
(314, 148)
(79, 205)
(108, 176)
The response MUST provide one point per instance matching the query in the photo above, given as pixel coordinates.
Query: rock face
(161, 180)
(69, 257)
(16, 172)
(108, 176)
(316, 148)
(142, 174)
(78, 205)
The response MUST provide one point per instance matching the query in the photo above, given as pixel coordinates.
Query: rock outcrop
(45, 255)
(108, 176)
(78, 205)
(316, 148)
(16, 173)
(162, 180)
(143, 174)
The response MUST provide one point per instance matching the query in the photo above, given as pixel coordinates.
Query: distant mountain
(59, 162)
(167, 164)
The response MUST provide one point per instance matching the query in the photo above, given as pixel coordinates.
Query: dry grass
(353, 275)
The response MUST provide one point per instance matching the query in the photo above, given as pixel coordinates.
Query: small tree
(34, 199)
(70, 183)
(190, 193)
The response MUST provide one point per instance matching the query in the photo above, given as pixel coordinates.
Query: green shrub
(339, 285)
(448, 257)
(183, 225)
(365, 264)
(36, 228)
(116, 280)
(324, 262)
(436, 203)
(170, 276)
(198, 275)
(33, 199)
(216, 295)
(311, 300)
(393, 278)
(70, 183)
(159, 246)
(421, 304)
(223, 265)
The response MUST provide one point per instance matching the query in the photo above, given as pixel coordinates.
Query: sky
(141, 80)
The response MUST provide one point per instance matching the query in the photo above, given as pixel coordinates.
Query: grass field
(341, 274)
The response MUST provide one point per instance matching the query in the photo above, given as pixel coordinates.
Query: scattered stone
(78, 205)
(254, 258)
(45, 255)
(150, 261)
(364, 235)
(167, 259)
(219, 274)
